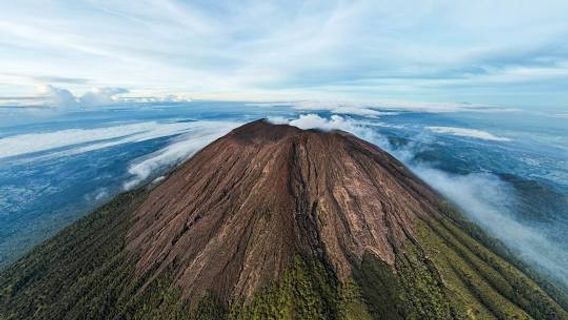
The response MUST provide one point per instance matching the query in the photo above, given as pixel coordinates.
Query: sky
(510, 53)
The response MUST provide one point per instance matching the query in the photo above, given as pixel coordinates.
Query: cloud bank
(487, 200)
(63, 98)
(101, 97)
(313, 121)
(74, 141)
(376, 108)
(57, 97)
(186, 145)
(468, 133)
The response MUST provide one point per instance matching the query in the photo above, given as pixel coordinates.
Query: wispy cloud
(468, 133)
(421, 51)
(202, 133)
(57, 97)
(374, 108)
(81, 140)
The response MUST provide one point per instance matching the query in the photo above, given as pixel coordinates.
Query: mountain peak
(263, 130)
(218, 219)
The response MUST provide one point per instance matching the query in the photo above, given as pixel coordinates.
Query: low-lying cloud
(335, 122)
(487, 200)
(376, 108)
(183, 147)
(63, 98)
(468, 133)
(74, 141)
(338, 108)
(56, 97)
(101, 97)
(311, 121)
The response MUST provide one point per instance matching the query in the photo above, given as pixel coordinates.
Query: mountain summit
(236, 215)
(274, 222)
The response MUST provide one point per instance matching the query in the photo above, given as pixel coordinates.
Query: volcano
(274, 222)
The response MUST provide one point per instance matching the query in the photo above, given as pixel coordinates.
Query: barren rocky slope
(239, 211)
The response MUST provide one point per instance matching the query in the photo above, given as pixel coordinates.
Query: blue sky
(505, 53)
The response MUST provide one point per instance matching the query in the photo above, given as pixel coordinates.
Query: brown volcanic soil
(234, 216)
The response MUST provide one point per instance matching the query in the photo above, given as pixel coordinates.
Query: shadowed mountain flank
(274, 222)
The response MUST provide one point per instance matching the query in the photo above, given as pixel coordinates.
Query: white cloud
(337, 107)
(335, 122)
(57, 96)
(166, 98)
(278, 120)
(486, 199)
(52, 96)
(72, 141)
(101, 97)
(469, 133)
(383, 107)
(357, 111)
(313, 121)
(101, 194)
(194, 136)
(182, 148)
(63, 98)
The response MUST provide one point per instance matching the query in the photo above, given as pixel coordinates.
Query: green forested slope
(85, 273)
